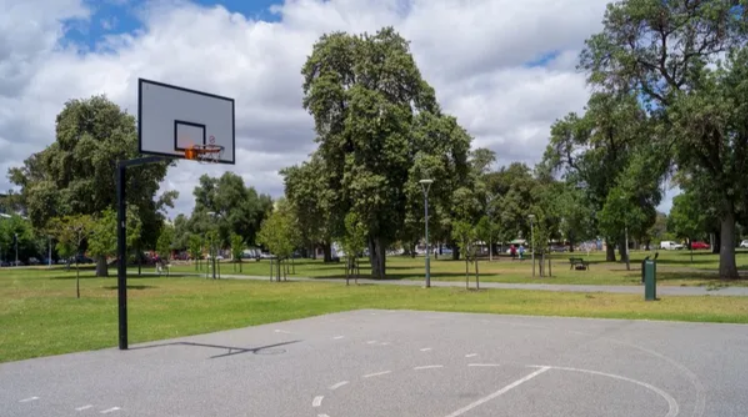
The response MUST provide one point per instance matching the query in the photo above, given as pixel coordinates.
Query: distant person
(521, 252)
(513, 251)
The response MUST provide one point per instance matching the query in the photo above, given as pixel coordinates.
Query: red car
(699, 245)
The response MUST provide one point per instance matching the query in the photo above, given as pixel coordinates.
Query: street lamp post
(490, 228)
(532, 237)
(213, 245)
(15, 238)
(425, 185)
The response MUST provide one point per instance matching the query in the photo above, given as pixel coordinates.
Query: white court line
(338, 385)
(317, 401)
(26, 400)
(418, 368)
(338, 337)
(322, 415)
(673, 408)
(485, 399)
(110, 410)
(371, 342)
(425, 349)
(85, 407)
(282, 331)
(471, 355)
(486, 365)
(376, 374)
(384, 344)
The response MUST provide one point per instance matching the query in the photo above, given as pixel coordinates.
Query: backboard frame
(179, 151)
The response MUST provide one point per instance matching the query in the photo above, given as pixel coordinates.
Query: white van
(670, 245)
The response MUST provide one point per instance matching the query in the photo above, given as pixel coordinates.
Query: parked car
(33, 261)
(744, 244)
(699, 245)
(4, 263)
(558, 248)
(670, 245)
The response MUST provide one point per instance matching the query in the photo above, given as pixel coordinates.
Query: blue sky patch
(112, 17)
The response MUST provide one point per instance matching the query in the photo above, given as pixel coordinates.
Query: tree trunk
(101, 267)
(347, 271)
(571, 244)
(727, 266)
(271, 269)
(541, 267)
(467, 274)
(550, 271)
(610, 251)
(477, 275)
(622, 249)
(327, 250)
(377, 258)
(77, 281)
(455, 253)
(293, 265)
(717, 243)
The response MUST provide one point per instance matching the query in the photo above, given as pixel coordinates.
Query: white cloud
(472, 52)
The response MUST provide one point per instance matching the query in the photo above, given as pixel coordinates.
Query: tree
(276, 235)
(686, 220)
(364, 93)
(165, 244)
(102, 242)
(607, 148)
(661, 50)
(312, 200)
(76, 174)
(182, 232)
(196, 249)
(463, 234)
(238, 208)
(237, 249)
(71, 232)
(712, 133)
(354, 243)
(16, 233)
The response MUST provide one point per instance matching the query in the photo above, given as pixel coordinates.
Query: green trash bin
(650, 280)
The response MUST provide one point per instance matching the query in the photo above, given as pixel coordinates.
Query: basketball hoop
(208, 153)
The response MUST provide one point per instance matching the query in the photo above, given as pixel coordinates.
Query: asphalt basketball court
(371, 363)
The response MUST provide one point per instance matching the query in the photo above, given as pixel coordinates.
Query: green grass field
(39, 314)
(674, 268)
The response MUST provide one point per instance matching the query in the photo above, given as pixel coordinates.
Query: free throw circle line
(673, 408)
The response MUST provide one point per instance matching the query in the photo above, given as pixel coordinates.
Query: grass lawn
(39, 314)
(674, 268)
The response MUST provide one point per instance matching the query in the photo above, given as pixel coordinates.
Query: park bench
(578, 263)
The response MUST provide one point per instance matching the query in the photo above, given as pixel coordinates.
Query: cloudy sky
(505, 68)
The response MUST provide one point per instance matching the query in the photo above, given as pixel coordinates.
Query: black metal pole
(121, 255)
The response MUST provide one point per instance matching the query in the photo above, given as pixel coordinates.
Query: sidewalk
(613, 289)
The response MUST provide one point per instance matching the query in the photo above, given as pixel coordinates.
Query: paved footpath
(614, 289)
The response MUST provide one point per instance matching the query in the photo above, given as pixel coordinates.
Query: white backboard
(171, 118)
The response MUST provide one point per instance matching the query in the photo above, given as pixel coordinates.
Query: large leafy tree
(76, 173)
(661, 50)
(308, 191)
(711, 128)
(607, 148)
(102, 242)
(16, 233)
(513, 188)
(364, 93)
(233, 207)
